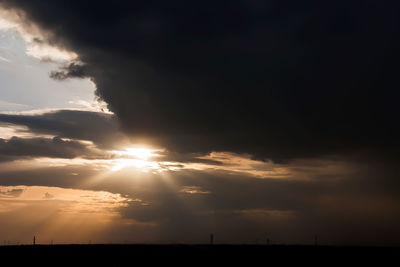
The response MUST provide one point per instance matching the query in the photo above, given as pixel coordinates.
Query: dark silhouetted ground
(159, 255)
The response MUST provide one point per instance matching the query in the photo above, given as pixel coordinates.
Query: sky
(166, 121)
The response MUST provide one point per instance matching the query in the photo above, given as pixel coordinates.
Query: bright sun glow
(141, 153)
(138, 157)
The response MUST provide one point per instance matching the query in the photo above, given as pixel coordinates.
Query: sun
(137, 157)
(141, 153)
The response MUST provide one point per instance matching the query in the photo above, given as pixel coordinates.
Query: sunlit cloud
(96, 105)
(33, 36)
(9, 130)
(43, 51)
(6, 24)
(240, 163)
(64, 214)
(79, 200)
(194, 190)
(4, 59)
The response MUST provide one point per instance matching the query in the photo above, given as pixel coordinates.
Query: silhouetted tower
(211, 239)
(34, 240)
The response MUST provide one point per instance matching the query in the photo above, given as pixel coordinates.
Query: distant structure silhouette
(34, 240)
(211, 239)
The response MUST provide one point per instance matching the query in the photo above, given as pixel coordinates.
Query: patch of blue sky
(25, 83)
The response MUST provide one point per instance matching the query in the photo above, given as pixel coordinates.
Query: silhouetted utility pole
(211, 239)
(34, 240)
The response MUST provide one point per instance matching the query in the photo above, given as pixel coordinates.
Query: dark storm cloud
(100, 128)
(277, 79)
(72, 70)
(18, 148)
(69, 176)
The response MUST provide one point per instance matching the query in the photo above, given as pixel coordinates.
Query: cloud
(171, 156)
(47, 195)
(278, 81)
(80, 125)
(72, 70)
(18, 148)
(4, 59)
(242, 208)
(194, 190)
(326, 198)
(290, 82)
(71, 215)
(97, 127)
(8, 105)
(11, 193)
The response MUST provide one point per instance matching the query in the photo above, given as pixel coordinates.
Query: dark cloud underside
(100, 128)
(20, 148)
(277, 79)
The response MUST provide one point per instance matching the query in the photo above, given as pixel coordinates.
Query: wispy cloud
(4, 59)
